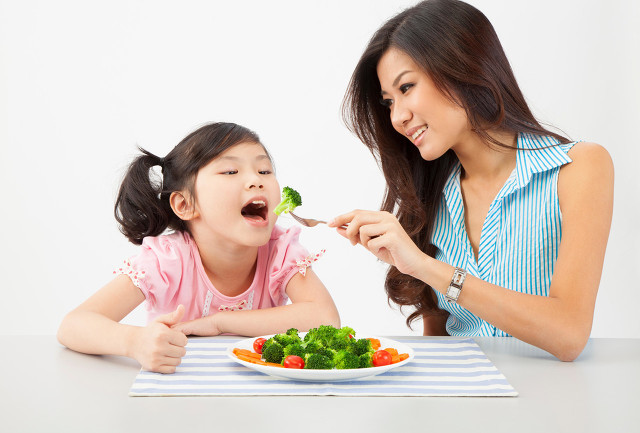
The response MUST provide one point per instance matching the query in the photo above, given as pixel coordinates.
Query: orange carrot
(398, 358)
(245, 352)
(256, 361)
(375, 343)
(392, 351)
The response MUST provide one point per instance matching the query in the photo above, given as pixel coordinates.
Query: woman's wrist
(435, 273)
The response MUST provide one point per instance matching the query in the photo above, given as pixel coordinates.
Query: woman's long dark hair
(456, 45)
(142, 207)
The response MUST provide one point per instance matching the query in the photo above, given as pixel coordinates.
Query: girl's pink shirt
(169, 272)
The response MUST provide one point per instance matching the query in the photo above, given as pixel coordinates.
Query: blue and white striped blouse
(520, 235)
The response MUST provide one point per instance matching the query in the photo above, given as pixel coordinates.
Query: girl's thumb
(172, 318)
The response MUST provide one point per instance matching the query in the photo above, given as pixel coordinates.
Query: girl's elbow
(329, 316)
(332, 318)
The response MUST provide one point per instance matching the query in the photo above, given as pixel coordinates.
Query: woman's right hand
(380, 232)
(158, 347)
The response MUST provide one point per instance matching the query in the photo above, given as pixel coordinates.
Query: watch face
(453, 292)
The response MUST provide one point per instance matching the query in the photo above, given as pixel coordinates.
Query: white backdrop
(83, 83)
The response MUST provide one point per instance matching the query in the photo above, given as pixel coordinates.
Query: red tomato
(380, 358)
(257, 345)
(293, 361)
(351, 336)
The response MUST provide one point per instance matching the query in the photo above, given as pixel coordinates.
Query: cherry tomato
(293, 361)
(380, 358)
(258, 343)
(351, 336)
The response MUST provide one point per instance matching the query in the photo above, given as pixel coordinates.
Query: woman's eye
(405, 88)
(265, 172)
(386, 102)
(230, 172)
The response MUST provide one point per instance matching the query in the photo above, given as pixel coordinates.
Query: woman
(493, 224)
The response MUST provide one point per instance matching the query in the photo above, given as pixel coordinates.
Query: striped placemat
(441, 367)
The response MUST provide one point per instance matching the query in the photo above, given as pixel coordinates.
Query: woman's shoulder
(590, 170)
(588, 158)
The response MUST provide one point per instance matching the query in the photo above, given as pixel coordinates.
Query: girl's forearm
(93, 333)
(300, 315)
(552, 324)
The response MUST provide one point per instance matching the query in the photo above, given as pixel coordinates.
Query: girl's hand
(205, 326)
(159, 348)
(381, 233)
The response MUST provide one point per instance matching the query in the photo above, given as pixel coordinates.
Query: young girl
(225, 268)
(499, 226)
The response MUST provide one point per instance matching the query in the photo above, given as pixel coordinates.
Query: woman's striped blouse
(520, 235)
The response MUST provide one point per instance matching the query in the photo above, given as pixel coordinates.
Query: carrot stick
(245, 352)
(257, 361)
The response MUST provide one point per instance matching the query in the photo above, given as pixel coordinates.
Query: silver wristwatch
(455, 287)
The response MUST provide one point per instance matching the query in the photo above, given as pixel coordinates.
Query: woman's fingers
(371, 231)
(356, 220)
(341, 220)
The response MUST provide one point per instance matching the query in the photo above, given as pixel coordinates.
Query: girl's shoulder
(284, 245)
(280, 235)
(170, 245)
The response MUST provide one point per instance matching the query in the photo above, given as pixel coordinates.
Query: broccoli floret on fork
(290, 200)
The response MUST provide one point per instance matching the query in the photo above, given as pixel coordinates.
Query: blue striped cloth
(520, 235)
(441, 367)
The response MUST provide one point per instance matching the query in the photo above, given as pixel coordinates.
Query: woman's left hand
(381, 233)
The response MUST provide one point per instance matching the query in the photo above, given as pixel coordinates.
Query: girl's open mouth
(255, 210)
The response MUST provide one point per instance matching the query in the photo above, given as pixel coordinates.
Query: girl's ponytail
(141, 209)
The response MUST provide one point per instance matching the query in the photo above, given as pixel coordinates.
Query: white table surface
(45, 387)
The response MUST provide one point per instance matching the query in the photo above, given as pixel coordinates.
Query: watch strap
(455, 286)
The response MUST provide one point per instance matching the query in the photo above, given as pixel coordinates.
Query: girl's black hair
(142, 207)
(457, 47)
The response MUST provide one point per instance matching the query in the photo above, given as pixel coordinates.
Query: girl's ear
(181, 206)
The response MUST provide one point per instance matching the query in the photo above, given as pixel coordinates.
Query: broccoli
(345, 360)
(323, 348)
(311, 346)
(274, 352)
(315, 361)
(290, 200)
(344, 332)
(294, 349)
(366, 360)
(286, 339)
(327, 352)
(338, 344)
(267, 344)
(362, 346)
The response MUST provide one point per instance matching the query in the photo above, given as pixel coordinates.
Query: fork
(309, 222)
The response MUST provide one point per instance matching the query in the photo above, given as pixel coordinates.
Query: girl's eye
(386, 102)
(405, 88)
(230, 172)
(265, 172)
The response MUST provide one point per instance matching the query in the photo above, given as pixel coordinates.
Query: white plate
(321, 375)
